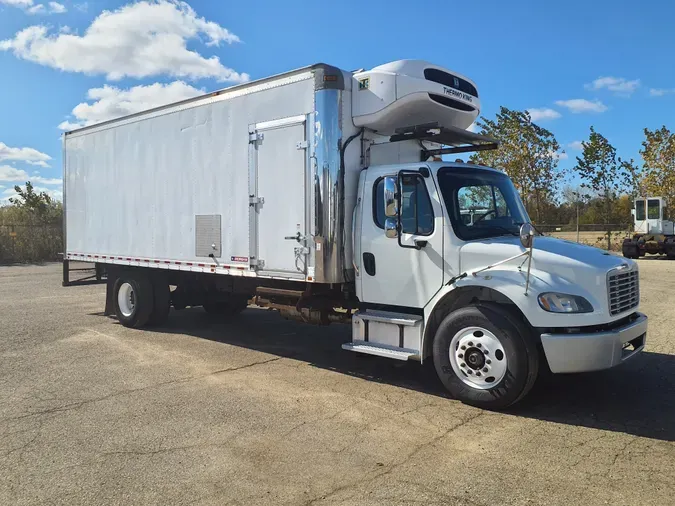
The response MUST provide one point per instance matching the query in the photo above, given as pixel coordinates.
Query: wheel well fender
(461, 297)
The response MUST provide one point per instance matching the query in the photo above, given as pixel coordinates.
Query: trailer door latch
(297, 237)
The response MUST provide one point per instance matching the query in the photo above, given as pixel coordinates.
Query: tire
(133, 299)
(500, 358)
(161, 301)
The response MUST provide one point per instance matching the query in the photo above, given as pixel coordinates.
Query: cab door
(404, 271)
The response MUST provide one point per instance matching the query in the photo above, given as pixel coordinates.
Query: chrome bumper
(595, 351)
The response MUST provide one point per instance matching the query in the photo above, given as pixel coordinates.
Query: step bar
(381, 350)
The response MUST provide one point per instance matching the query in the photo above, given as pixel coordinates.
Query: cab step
(381, 350)
(387, 334)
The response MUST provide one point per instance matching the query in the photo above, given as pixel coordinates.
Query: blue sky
(67, 63)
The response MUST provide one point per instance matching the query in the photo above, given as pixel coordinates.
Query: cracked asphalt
(264, 411)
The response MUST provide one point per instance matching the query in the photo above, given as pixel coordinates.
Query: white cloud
(142, 39)
(18, 3)
(110, 102)
(659, 92)
(543, 114)
(13, 175)
(28, 155)
(57, 8)
(577, 145)
(31, 8)
(579, 105)
(619, 85)
(83, 7)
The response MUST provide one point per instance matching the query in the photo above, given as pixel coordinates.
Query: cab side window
(417, 214)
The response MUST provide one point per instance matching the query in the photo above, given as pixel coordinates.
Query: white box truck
(323, 194)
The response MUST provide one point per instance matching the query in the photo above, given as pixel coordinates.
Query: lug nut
(470, 343)
(477, 374)
(470, 371)
(485, 352)
(488, 362)
(460, 355)
(478, 345)
(463, 347)
(485, 369)
(462, 364)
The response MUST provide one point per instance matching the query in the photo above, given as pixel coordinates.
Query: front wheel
(485, 357)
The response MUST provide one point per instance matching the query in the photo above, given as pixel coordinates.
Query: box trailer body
(231, 175)
(322, 193)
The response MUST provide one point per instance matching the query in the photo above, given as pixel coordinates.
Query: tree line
(30, 227)
(530, 155)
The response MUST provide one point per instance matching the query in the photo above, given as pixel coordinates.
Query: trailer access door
(278, 158)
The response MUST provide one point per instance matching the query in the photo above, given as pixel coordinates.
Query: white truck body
(161, 188)
(316, 190)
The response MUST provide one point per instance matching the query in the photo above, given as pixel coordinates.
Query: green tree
(527, 152)
(658, 154)
(603, 173)
(35, 220)
(35, 207)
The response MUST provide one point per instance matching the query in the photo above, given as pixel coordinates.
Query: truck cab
(484, 299)
(649, 216)
(653, 231)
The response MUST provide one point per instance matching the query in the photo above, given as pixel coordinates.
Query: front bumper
(594, 351)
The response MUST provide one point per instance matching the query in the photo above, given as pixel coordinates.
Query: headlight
(564, 303)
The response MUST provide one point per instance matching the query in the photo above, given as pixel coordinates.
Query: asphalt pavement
(261, 410)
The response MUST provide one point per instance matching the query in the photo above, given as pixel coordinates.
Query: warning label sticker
(240, 259)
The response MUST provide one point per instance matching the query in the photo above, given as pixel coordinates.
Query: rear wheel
(485, 357)
(133, 297)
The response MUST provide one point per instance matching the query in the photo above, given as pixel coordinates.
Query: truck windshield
(481, 203)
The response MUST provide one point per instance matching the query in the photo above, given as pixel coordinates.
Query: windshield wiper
(499, 227)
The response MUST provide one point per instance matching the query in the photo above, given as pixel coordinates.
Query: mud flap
(110, 295)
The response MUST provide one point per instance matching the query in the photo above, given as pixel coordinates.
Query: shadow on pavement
(636, 398)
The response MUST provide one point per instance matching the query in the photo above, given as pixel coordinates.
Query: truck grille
(624, 290)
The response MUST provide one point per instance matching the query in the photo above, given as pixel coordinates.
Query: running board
(381, 351)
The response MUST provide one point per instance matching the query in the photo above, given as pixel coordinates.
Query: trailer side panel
(159, 186)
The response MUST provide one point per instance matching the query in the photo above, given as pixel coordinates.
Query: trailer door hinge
(255, 137)
(257, 262)
(302, 250)
(301, 145)
(254, 201)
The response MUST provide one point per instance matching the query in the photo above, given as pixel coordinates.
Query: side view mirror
(526, 235)
(390, 202)
(391, 228)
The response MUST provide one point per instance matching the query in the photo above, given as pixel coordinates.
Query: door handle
(369, 263)
(297, 237)
(420, 243)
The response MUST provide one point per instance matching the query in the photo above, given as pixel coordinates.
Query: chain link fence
(30, 243)
(592, 234)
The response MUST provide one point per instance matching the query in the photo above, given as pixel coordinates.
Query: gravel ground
(265, 411)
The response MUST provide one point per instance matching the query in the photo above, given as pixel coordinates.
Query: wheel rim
(126, 299)
(477, 357)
